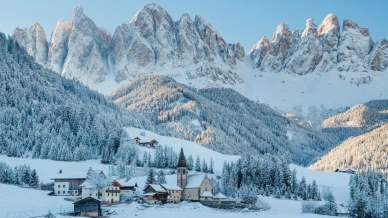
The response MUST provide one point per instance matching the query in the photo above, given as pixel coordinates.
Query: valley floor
(18, 202)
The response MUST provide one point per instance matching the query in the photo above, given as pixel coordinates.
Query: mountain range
(298, 64)
(181, 78)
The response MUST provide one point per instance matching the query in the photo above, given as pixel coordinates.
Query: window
(63, 192)
(63, 186)
(59, 192)
(59, 186)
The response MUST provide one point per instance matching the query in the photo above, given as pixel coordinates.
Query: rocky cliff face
(149, 41)
(321, 49)
(34, 41)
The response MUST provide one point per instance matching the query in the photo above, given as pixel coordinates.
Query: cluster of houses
(96, 188)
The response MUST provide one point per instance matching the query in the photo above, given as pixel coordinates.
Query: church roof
(195, 180)
(182, 159)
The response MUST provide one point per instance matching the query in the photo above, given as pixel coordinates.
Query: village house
(100, 187)
(89, 206)
(127, 189)
(154, 193)
(68, 183)
(174, 193)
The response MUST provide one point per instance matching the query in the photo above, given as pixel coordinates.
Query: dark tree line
(266, 175)
(19, 175)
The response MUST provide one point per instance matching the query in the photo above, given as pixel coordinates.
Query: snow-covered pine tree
(302, 189)
(161, 178)
(190, 162)
(197, 164)
(151, 177)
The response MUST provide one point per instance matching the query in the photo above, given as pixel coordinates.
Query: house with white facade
(68, 183)
(98, 186)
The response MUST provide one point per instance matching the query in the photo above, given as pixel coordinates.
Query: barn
(89, 206)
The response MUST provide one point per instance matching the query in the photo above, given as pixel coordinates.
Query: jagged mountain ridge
(219, 118)
(320, 49)
(44, 115)
(150, 40)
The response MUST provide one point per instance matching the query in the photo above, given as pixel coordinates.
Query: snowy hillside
(368, 151)
(44, 115)
(190, 148)
(220, 119)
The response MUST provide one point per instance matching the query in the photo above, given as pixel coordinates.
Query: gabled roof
(69, 175)
(182, 159)
(195, 180)
(88, 199)
(125, 183)
(155, 187)
(171, 187)
(88, 184)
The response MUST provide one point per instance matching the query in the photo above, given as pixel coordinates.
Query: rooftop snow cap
(182, 159)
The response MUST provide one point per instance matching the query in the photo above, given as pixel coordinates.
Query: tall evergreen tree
(151, 177)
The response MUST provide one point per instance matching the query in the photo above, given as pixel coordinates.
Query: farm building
(89, 206)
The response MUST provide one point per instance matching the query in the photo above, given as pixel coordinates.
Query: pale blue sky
(244, 20)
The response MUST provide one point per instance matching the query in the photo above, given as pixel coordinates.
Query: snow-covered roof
(195, 180)
(220, 196)
(125, 182)
(69, 175)
(206, 194)
(171, 187)
(87, 184)
(157, 188)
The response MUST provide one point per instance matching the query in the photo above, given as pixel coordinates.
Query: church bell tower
(182, 170)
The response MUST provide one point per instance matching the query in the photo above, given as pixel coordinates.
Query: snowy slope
(189, 148)
(17, 202)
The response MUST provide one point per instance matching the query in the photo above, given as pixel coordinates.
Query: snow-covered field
(17, 202)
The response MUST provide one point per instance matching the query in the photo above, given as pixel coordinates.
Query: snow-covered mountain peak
(282, 32)
(34, 41)
(310, 29)
(329, 24)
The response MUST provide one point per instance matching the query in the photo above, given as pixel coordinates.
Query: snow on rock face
(379, 57)
(309, 52)
(150, 42)
(86, 49)
(321, 49)
(273, 57)
(33, 39)
(58, 45)
(355, 44)
(152, 38)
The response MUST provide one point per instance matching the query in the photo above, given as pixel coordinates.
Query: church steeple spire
(182, 170)
(182, 159)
